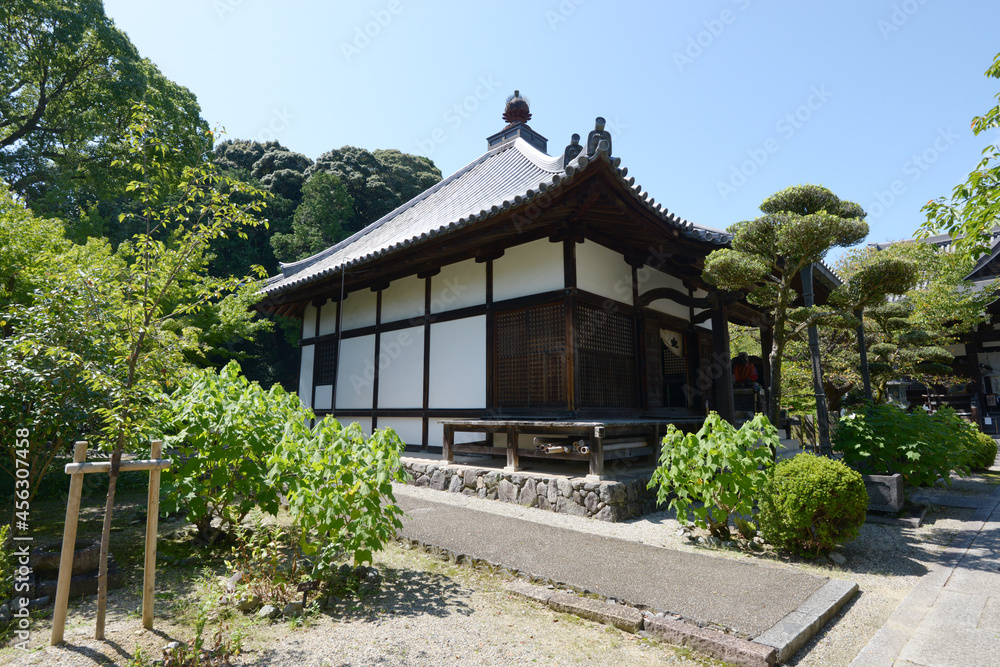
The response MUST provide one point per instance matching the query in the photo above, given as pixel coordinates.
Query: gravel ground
(432, 612)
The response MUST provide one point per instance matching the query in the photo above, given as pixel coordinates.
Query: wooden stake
(152, 520)
(68, 547)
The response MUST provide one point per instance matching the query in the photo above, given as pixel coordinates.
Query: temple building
(528, 306)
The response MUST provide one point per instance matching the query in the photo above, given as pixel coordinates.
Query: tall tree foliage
(799, 226)
(972, 212)
(320, 220)
(68, 82)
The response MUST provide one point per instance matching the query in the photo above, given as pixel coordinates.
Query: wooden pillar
(152, 521)
(513, 463)
(866, 378)
(447, 454)
(976, 378)
(722, 360)
(68, 546)
(822, 414)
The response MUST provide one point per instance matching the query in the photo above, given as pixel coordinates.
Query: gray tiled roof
(506, 177)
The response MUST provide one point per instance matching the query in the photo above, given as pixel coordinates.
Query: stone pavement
(746, 597)
(952, 616)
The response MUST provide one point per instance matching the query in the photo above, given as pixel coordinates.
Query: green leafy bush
(715, 472)
(6, 563)
(339, 487)
(882, 439)
(225, 428)
(984, 451)
(811, 503)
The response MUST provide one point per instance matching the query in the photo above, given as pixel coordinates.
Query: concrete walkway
(745, 597)
(952, 616)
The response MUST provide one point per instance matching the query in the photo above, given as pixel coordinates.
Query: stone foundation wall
(604, 501)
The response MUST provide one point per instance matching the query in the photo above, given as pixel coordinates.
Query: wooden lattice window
(675, 370)
(326, 362)
(606, 357)
(531, 357)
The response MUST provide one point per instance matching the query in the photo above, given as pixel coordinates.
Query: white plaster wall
(603, 271)
(365, 422)
(957, 350)
(458, 286)
(401, 369)
(359, 309)
(403, 299)
(650, 279)
(458, 363)
(328, 318)
(435, 435)
(409, 429)
(306, 375)
(324, 397)
(356, 373)
(527, 269)
(309, 321)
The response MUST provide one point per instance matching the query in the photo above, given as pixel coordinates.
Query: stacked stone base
(604, 501)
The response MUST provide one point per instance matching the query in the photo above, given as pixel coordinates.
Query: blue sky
(713, 105)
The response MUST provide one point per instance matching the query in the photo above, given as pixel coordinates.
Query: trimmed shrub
(984, 452)
(812, 503)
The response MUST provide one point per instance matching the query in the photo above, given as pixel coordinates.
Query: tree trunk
(102, 574)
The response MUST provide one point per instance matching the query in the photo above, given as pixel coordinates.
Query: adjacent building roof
(503, 179)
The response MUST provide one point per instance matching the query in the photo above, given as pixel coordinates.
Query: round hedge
(984, 452)
(812, 503)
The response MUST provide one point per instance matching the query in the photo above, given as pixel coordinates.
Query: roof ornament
(516, 110)
(596, 136)
(572, 150)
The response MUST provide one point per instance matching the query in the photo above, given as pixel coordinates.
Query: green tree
(973, 211)
(320, 220)
(801, 224)
(69, 79)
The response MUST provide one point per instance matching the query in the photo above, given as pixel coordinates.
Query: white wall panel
(356, 373)
(435, 435)
(309, 321)
(650, 279)
(458, 363)
(306, 375)
(328, 318)
(359, 309)
(324, 397)
(529, 269)
(401, 369)
(403, 299)
(603, 271)
(458, 286)
(409, 429)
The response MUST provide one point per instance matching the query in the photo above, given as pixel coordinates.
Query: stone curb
(792, 632)
(717, 644)
(609, 613)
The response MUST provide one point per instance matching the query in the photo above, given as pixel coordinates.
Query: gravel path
(432, 612)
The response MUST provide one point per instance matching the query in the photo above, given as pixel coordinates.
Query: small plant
(812, 503)
(884, 440)
(715, 472)
(198, 652)
(267, 559)
(339, 488)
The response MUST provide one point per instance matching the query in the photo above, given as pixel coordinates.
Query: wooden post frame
(68, 546)
(155, 465)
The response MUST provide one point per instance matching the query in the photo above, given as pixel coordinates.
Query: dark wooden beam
(724, 402)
